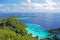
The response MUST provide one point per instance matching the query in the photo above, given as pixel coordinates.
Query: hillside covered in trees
(12, 29)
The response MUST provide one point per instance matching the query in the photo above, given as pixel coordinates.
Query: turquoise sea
(35, 29)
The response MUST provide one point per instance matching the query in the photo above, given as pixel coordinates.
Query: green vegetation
(55, 33)
(12, 29)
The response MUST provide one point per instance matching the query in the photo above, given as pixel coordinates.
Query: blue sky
(29, 5)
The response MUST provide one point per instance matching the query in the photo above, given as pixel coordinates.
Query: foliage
(12, 29)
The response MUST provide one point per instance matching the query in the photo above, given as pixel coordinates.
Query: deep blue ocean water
(46, 20)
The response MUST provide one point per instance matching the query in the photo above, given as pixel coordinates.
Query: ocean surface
(34, 29)
(45, 20)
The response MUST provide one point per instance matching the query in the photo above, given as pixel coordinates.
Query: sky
(29, 5)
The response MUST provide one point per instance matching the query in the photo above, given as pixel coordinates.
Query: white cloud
(30, 6)
(29, 1)
(50, 2)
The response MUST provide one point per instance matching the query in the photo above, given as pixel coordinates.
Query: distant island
(12, 29)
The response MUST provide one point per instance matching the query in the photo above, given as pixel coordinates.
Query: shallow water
(35, 29)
